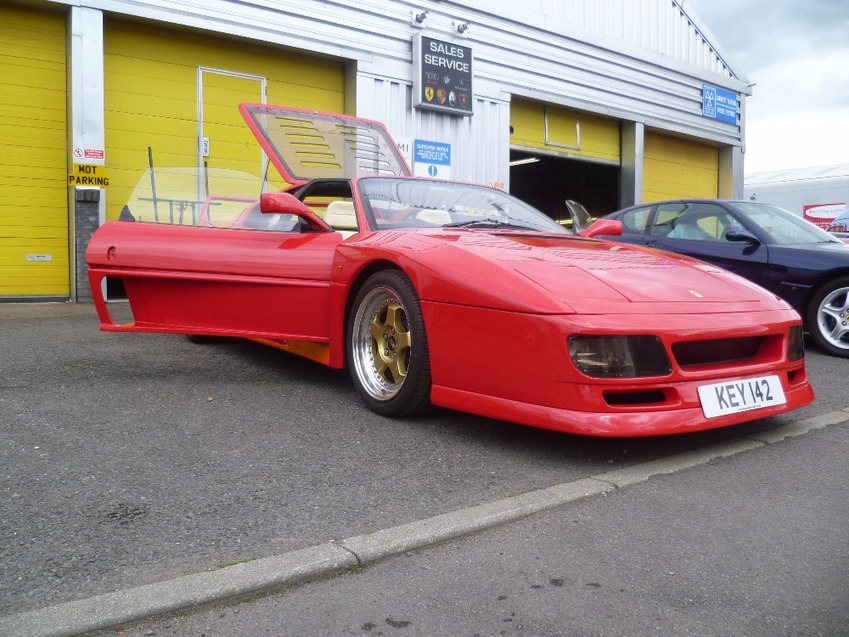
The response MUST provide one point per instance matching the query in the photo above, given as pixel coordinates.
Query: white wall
(640, 61)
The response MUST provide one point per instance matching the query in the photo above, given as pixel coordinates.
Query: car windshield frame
(782, 227)
(397, 202)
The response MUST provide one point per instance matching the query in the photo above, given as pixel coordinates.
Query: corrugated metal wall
(480, 145)
(632, 60)
(639, 65)
(797, 188)
(660, 26)
(380, 28)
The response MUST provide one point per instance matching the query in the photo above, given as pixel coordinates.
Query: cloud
(804, 84)
(783, 142)
(796, 54)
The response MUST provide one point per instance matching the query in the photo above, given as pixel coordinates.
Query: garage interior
(545, 181)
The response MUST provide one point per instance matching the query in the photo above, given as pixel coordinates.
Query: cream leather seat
(340, 216)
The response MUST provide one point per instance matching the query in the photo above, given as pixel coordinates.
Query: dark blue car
(801, 263)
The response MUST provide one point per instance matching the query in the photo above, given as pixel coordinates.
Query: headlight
(795, 344)
(619, 356)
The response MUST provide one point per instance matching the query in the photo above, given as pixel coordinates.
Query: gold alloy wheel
(387, 351)
(390, 343)
(382, 343)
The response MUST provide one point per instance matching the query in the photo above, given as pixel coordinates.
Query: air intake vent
(691, 353)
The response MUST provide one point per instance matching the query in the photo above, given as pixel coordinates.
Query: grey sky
(796, 52)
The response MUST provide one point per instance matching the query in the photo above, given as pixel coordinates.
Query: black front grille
(691, 353)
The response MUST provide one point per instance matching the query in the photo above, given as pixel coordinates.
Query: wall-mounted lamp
(461, 27)
(419, 18)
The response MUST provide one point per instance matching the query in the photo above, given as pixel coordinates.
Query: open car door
(268, 278)
(262, 272)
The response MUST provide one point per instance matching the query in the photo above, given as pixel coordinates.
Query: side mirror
(285, 204)
(603, 226)
(742, 235)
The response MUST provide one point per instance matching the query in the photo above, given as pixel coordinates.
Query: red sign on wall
(822, 214)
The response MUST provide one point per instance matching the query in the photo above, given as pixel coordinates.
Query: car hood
(567, 274)
(814, 256)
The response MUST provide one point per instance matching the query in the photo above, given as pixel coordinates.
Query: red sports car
(450, 294)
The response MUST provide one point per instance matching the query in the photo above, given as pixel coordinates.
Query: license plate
(721, 399)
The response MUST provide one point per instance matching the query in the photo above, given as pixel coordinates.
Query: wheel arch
(828, 328)
(817, 285)
(341, 307)
(360, 278)
(393, 378)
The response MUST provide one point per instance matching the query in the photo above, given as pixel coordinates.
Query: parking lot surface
(135, 459)
(755, 544)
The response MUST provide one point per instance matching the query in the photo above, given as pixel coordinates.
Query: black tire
(387, 347)
(828, 317)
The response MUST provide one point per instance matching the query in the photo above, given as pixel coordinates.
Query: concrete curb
(387, 543)
(133, 604)
(332, 558)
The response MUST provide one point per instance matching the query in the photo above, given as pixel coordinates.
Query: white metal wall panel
(797, 188)
(480, 145)
(661, 26)
(388, 101)
(639, 60)
(642, 61)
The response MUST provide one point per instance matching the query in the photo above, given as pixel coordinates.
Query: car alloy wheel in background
(828, 317)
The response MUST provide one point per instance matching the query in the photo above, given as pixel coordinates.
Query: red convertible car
(454, 295)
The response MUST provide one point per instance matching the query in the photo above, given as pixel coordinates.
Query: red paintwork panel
(501, 290)
(621, 423)
(217, 281)
(521, 371)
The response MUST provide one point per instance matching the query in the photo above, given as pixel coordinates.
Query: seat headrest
(340, 215)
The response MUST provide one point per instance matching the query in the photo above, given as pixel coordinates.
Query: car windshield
(411, 203)
(186, 195)
(782, 226)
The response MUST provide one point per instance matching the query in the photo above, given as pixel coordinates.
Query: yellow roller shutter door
(676, 168)
(34, 260)
(562, 130)
(159, 82)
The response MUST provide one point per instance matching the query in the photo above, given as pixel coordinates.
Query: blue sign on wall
(431, 159)
(719, 104)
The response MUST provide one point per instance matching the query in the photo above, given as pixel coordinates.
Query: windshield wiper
(489, 223)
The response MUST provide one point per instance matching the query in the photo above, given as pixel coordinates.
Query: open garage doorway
(546, 181)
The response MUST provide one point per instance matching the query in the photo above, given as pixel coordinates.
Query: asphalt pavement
(755, 544)
(144, 475)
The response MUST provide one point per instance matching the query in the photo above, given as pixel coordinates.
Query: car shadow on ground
(534, 443)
